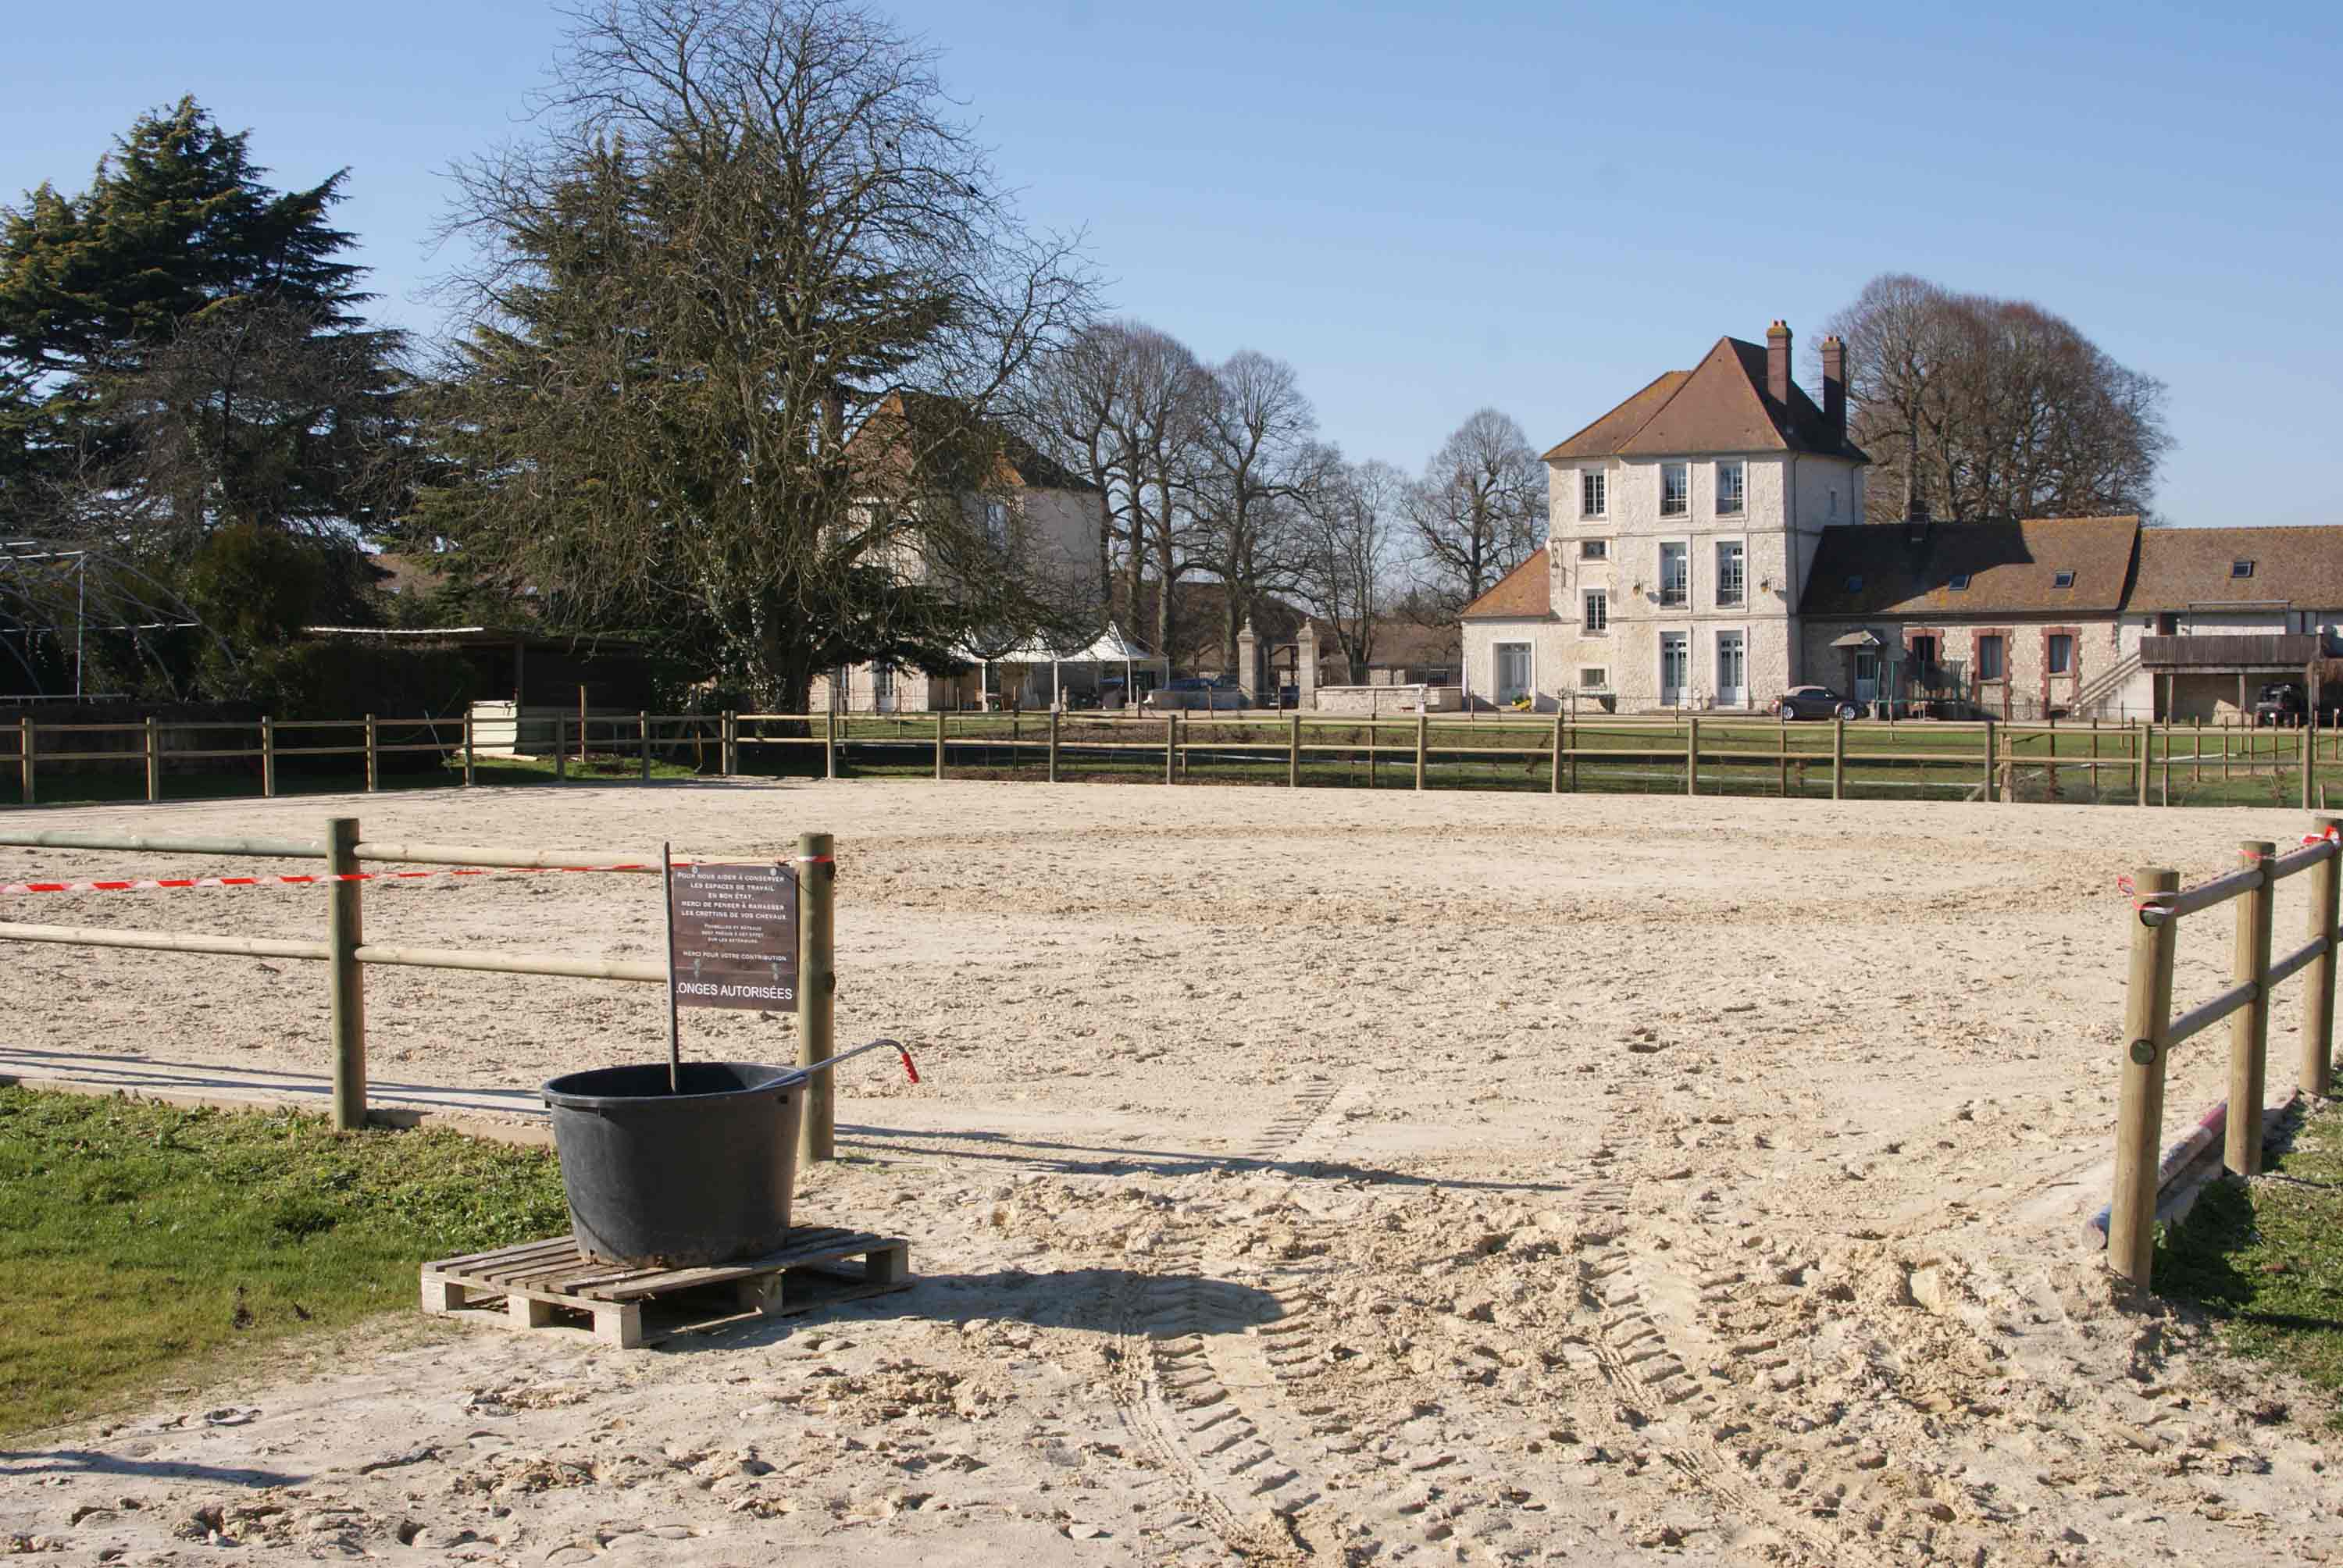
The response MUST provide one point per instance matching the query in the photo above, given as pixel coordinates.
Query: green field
(144, 1244)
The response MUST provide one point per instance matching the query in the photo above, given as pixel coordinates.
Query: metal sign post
(674, 1021)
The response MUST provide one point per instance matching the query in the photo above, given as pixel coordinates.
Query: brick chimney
(1777, 363)
(1835, 386)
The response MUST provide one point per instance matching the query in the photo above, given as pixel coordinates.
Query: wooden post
(1989, 761)
(2196, 762)
(1561, 743)
(940, 743)
(1691, 754)
(267, 757)
(2249, 964)
(1838, 757)
(829, 743)
(2139, 738)
(373, 762)
(643, 742)
(469, 749)
(2052, 774)
(2318, 997)
(2140, 1105)
(560, 744)
(2307, 753)
(1423, 740)
(1293, 753)
(154, 761)
(1371, 741)
(729, 758)
(2225, 751)
(818, 992)
(1054, 746)
(25, 760)
(1781, 745)
(2165, 764)
(345, 932)
(1172, 746)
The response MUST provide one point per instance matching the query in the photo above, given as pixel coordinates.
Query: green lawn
(141, 1244)
(2265, 1260)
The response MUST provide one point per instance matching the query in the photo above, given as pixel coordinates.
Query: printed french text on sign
(735, 941)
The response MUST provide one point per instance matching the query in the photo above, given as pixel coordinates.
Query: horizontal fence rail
(2150, 1029)
(1695, 753)
(347, 951)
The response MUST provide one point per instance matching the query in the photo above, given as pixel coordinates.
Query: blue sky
(1534, 206)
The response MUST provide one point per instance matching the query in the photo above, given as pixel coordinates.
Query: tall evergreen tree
(182, 346)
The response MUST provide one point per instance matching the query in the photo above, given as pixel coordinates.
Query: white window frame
(1741, 571)
(1740, 508)
(1599, 482)
(1602, 674)
(1593, 605)
(1684, 687)
(2050, 641)
(1595, 550)
(1716, 654)
(1684, 508)
(1497, 665)
(2000, 653)
(1684, 553)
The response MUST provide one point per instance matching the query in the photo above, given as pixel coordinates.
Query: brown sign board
(733, 936)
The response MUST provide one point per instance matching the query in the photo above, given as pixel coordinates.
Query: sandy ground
(1305, 1177)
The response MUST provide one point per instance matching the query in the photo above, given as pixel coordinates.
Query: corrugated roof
(1521, 593)
(1718, 406)
(2182, 566)
(2008, 568)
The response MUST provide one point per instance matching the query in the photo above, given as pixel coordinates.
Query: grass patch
(139, 1240)
(2265, 1260)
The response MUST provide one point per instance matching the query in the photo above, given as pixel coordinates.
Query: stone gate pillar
(1305, 665)
(1247, 671)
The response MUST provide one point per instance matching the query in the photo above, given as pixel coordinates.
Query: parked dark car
(1815, 702)
(2281, 703)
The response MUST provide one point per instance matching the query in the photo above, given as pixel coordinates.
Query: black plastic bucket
(661, 1179)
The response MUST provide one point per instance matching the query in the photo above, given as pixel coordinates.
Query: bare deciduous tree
(1263, 469)
(1354, 531)
(739, 224)
(1479, 509)
(1979, 408)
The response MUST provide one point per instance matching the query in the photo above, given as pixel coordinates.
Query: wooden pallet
(548, 1284)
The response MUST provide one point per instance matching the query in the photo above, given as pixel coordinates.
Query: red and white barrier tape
(144, 884)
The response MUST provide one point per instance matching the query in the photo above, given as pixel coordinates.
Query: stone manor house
(1707, 550)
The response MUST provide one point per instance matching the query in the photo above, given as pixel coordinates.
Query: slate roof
(1525, 592)
(1864, 569)
(2182, 566)
(1718, 406)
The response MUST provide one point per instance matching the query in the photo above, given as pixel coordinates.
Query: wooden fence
(346, 951)
(2150, 1032)
(1694, 753)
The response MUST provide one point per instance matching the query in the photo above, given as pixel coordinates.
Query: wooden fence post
(560, 744)
(817, 871)
(1691, 754)
(1782, 747)
(1561, 744)
(729, 753)
(2310, 751)
(154, 761)
(2141, 734)
(940, 743)
(345, 932)
(1423, 740)
(267, 757)
(2316, 1076)
(1988, 794)
(829, 744)
(2249, 964)
(1172, 746)
(373, 758)
(25, 760)
(470, 752)
(1293, 752)
(1838, 757)
(1054, 745)
(643, 742)
(2139, 1106)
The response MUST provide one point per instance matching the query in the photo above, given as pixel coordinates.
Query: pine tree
(182, 346)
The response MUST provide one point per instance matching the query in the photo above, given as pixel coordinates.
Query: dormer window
(2062, 580)
(2241, 569)
(1675, 490)
(1594, 497)
(1854, 583)
(1960, 583)
(1732, 486)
